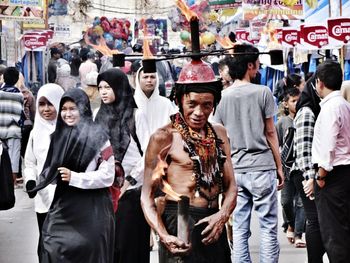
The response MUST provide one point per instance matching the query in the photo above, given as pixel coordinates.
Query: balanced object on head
(149, 65)
(119, 60)
(276, 56)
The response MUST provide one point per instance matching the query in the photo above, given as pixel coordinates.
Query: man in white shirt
(331, 156)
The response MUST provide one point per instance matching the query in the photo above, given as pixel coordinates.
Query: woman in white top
(47, 103)
(79, 226)
(129, 133)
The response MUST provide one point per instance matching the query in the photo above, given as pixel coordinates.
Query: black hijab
(73, 147)
(309, 97)
(117, 117)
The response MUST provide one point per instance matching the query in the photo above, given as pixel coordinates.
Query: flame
(147, 54)
(225, 42)
(189, 14)
(102, 46)
(159, 173)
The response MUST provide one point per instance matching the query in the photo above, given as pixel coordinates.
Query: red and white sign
(315, 37)
(339, 30)
(34, 42)
(279, 35)
(290, 37)
(242, 34)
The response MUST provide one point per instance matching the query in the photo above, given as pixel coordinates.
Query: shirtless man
(198, 165)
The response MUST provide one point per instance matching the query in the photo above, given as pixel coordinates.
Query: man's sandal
(299, 243)
(290, 236)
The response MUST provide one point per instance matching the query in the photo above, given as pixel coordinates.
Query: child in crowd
(293, 212)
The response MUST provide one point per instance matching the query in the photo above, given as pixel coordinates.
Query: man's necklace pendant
(193, 177)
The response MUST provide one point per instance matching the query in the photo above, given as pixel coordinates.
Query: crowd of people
(107, 156)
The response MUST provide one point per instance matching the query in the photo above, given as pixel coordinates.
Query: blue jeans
(292, 207)
(258, 189)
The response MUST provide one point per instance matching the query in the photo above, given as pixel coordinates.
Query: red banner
(339, 29)
(291, 37)
(35, 42)
(315, 36)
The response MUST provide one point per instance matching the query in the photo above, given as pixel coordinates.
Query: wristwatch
(131, 180)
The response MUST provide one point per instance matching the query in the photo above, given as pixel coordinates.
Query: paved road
(18, 236)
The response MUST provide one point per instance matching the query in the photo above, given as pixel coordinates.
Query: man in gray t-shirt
(246, 110)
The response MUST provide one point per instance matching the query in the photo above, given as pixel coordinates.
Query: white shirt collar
(331, 95)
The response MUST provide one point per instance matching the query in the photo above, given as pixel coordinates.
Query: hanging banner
(314, 37)
(220, 4)
(256, 27)
(34, 42)
(339, 30)
(279, 35)
(271, 9)
(242, 34)
(22, 10)
(290, 37)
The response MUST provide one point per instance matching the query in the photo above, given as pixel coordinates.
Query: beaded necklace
(207, 156)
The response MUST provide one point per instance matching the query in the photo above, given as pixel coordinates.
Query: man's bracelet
(320, 178)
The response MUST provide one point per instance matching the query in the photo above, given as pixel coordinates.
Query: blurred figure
(2, 70)
(64, 77)
(223, 68)
(11, 110)
(52, 67)
(92, 91)
(86, 66)
(345, 90)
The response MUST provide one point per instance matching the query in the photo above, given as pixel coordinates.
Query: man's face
(253, 68)
(319, 87)
(148, 82)
(196, 109)
(224, 74)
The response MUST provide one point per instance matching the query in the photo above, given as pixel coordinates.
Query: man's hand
(322, 173)
(280, 177)
(309, 187)
(123, 189)
(216, 224)
(321, 183)
(175, 245)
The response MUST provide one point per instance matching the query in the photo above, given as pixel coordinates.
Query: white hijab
(156, 108)
(42, 128)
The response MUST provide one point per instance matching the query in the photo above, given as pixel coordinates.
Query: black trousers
(132, 230)
(40, 218)
(218, 252)
(333, 207)
(314, 244)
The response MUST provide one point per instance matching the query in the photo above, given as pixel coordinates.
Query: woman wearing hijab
(303, 170)
(79, 226)
(128, 131)
(47, 106)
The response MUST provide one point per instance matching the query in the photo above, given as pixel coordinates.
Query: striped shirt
(11, 107)
(304, 123)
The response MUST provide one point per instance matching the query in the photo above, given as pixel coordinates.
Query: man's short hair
(55, 51)
(11, 76)
(330, 73)
(238, 64)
